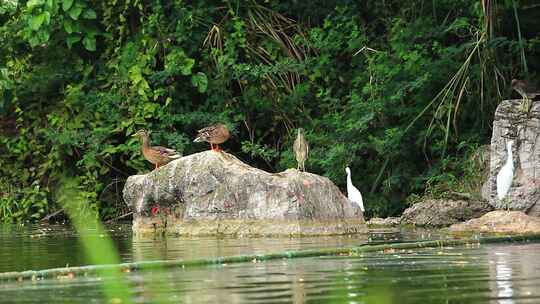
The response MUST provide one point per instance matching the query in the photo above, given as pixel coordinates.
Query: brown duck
(301, 149)
(157, 155)
(526, 90)
(214, 135)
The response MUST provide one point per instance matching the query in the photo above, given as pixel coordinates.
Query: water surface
(500, 273)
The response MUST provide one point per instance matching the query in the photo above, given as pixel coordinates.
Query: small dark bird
(157, 155)
(214, 135)
(526, 90)
(301, 149)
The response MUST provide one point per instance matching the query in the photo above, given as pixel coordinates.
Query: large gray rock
(211, 193)
(511, 122)
(441, 213)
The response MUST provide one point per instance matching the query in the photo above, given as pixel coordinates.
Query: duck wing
(208, 131)
(165, 151)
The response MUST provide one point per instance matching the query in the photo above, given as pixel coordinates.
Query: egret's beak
(135, 135)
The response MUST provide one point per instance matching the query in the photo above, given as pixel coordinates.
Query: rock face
(441, 213)
(211, 193)
(511, 123)
(500, 222)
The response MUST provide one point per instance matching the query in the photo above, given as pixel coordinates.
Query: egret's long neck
(509, 160)
(349, 182)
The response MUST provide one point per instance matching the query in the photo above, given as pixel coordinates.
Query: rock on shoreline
(500, 221)
(211, 193)
(442, 212)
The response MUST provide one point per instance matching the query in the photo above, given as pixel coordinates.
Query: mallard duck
(214, 135)
(301, 149)
(526, 90)
(157, 155)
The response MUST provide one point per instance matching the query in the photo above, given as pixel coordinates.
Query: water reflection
(498, 274)
(475, 274)
(145, 248)
(25, 247)
(503, 278)
(515, 270)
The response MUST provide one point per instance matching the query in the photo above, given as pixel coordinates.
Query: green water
(480, 274)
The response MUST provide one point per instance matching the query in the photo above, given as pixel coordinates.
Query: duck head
(142, 133)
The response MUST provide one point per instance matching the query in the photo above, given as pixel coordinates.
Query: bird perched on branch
(506, 174)
(214, 135)
(526, 90)
(301, 149)
(352, 192)
(157, 155)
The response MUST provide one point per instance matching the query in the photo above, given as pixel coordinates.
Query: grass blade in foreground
(97, 243)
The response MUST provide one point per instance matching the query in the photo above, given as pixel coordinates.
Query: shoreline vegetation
(402, 92)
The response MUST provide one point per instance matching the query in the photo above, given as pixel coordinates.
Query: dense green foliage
(78, 77)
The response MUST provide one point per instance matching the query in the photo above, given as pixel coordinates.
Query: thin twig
(119, 217)
(48, 217)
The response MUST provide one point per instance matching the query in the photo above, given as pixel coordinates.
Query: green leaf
(188, 63)
(89, 43)
(43, 36)
(33, 41)
(66, 5)
(72, 39)
(32, 3)
(36, 21)
(200, 81)
(47, 17)
(75, 12)
(68, 26)
(89, 14)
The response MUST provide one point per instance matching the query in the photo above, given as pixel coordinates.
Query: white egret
(506, 175)
(352, 192)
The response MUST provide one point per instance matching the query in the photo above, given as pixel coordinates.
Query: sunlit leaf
(68, 26)
(32, 3)
(75, 12)
(200, 81)
(89, 14)
(47, 17)
(36, 21)
(66, 5)
(89, 43)
(185, 69)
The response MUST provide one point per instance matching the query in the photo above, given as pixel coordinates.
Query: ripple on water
(476, 274)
